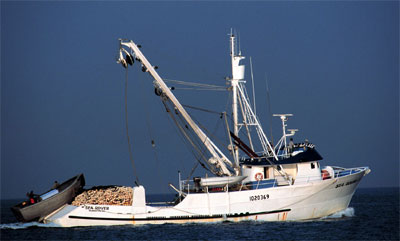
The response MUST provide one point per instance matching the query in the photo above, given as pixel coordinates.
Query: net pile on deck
(105, 196)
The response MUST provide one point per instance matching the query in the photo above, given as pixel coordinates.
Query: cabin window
(318, 164)
(312, 165)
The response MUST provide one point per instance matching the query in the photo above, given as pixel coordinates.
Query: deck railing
(340, 172)
(262, 184)
(189, 186)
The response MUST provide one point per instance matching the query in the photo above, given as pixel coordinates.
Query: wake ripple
(348, 212)
(27, 225)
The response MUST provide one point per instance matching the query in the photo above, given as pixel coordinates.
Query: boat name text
(347, 183)
(96, 208)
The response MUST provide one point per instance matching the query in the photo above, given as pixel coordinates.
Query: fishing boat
(282, 181)
(39, 206)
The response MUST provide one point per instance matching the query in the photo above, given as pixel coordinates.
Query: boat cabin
(299, 166)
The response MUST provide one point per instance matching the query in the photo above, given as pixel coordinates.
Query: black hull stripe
(179, 217)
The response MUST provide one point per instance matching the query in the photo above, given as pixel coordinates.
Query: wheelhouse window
(312, 165)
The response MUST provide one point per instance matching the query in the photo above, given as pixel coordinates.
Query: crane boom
(218, 159)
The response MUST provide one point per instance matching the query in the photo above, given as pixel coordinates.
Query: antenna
(284, 118)
(292, 132)
(252, 83)
(240, 51)
(236, 43)
(269, 108)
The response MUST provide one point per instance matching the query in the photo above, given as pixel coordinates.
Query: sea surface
(373, 214)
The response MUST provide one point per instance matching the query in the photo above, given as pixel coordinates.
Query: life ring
(258, 176)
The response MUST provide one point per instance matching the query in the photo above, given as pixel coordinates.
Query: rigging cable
(188, 139)
(178, 88)
(127, 129)
(202, 109)
(228, 102)
(193, 169)
(269, 109)
(176, 128)
(199, 85)
(203, 149)
(194, 137)
(153, 143)
(220, 114)
(210, 134)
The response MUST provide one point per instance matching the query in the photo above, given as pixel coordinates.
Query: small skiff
(42, 205)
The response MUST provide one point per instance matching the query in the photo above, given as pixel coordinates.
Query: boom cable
(202, 109)
(269, 109)
(152, 139)
(195, 86)
(189, 139)
(127, 129)
(199, 145)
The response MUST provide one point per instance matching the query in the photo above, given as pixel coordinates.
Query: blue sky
(333, 64)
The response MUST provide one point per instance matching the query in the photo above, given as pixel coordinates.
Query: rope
(202, 109)
(187, 138)
(175, 127)
(269, 109)
(153, 142)
(196, 84)
(199, 144)
(212, 134)
(127, 129)
(200, 89)
(193, 169)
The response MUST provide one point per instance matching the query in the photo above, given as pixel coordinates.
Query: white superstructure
(285, 182)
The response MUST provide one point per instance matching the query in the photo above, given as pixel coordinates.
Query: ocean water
(373, 214)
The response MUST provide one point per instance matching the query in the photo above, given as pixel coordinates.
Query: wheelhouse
(299, 166)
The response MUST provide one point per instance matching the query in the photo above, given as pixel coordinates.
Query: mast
(238, 92)
(218, 159)
(284, 118)
(283, 140)
(237, 76)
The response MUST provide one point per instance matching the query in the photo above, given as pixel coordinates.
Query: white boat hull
(297, 202)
